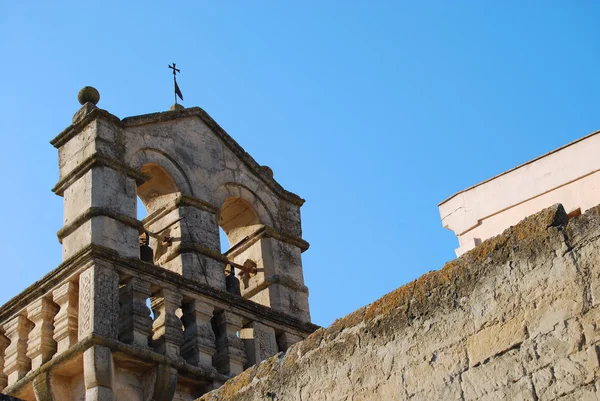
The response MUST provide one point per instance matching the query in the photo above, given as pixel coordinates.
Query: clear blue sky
(373, 111)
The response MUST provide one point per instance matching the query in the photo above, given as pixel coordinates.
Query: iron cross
(177, 90)
(175, 70)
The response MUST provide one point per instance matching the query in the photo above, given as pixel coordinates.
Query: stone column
(16, 362)
(98, 374)
(98, 187)
(196, 254)
(260, 342)
(99, 301)
(279, 282)
(65, 321)
(167, 331)
(41, 346)
(198, 338)
(135, 322)
(230, 358)
(3, 345)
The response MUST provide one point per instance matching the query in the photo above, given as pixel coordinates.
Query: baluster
(260, 342)
(3, 344)
(198, 337)
(285, 340)
(230, 357)
(16, 362)
(65, 321)
(135, 322)
(41, 346)
(167, 333)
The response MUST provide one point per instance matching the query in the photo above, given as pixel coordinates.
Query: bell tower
(192, 177)
(153, 309)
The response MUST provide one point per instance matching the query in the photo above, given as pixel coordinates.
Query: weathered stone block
(495, 339)
(99, 301)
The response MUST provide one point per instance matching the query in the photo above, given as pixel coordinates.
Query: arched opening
(157, 192)
(238, 219)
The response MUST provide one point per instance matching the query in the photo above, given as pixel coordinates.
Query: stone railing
(144, 314)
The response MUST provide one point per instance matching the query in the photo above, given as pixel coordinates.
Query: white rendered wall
(569, 175)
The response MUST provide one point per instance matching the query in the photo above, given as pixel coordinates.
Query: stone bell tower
(84, 331)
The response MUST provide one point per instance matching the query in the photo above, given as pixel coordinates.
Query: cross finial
(175, 70)
(177, 90)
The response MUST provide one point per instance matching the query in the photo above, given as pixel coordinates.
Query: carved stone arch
(254, 211)
(167, 178)
(233, 189)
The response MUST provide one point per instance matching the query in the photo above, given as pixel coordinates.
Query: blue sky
(373, 111)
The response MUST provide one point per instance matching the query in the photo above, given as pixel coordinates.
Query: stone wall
(513, 319)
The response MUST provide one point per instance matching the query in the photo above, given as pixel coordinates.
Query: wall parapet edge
(540, 242)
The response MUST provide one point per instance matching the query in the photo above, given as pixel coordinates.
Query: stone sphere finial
(88, 94)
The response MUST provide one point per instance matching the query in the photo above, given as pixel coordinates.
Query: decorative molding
(92, 253)
(76, 128)
(191, 247)
(96, 212)
(180, 201)
(248, 160)
(270, 232)
(202, 372)
(97, 161)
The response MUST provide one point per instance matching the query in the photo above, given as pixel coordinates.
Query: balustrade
(186, 325)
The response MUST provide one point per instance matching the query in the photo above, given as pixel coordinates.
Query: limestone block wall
(514, 319)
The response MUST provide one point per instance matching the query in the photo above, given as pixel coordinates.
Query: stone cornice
(296, 241)
(76, 128)
(267, 231)
(190, 247)
(144, 354)
(181, 200)
(86, 256)
(96, 161)
(153, 118)
(186, 200)
(95, 212)
(224, 136)
(276, 279)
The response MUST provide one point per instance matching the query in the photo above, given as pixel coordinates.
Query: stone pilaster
(230, 358)
(260, 342)
(99, 301)
(41, 346)
(196, 253)
(279, 282)
(65, 321)
(98, 188)
(198, 338)
(3, 345)
(167, 329)
(135, 324)
(16, 362)
(98, 374)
